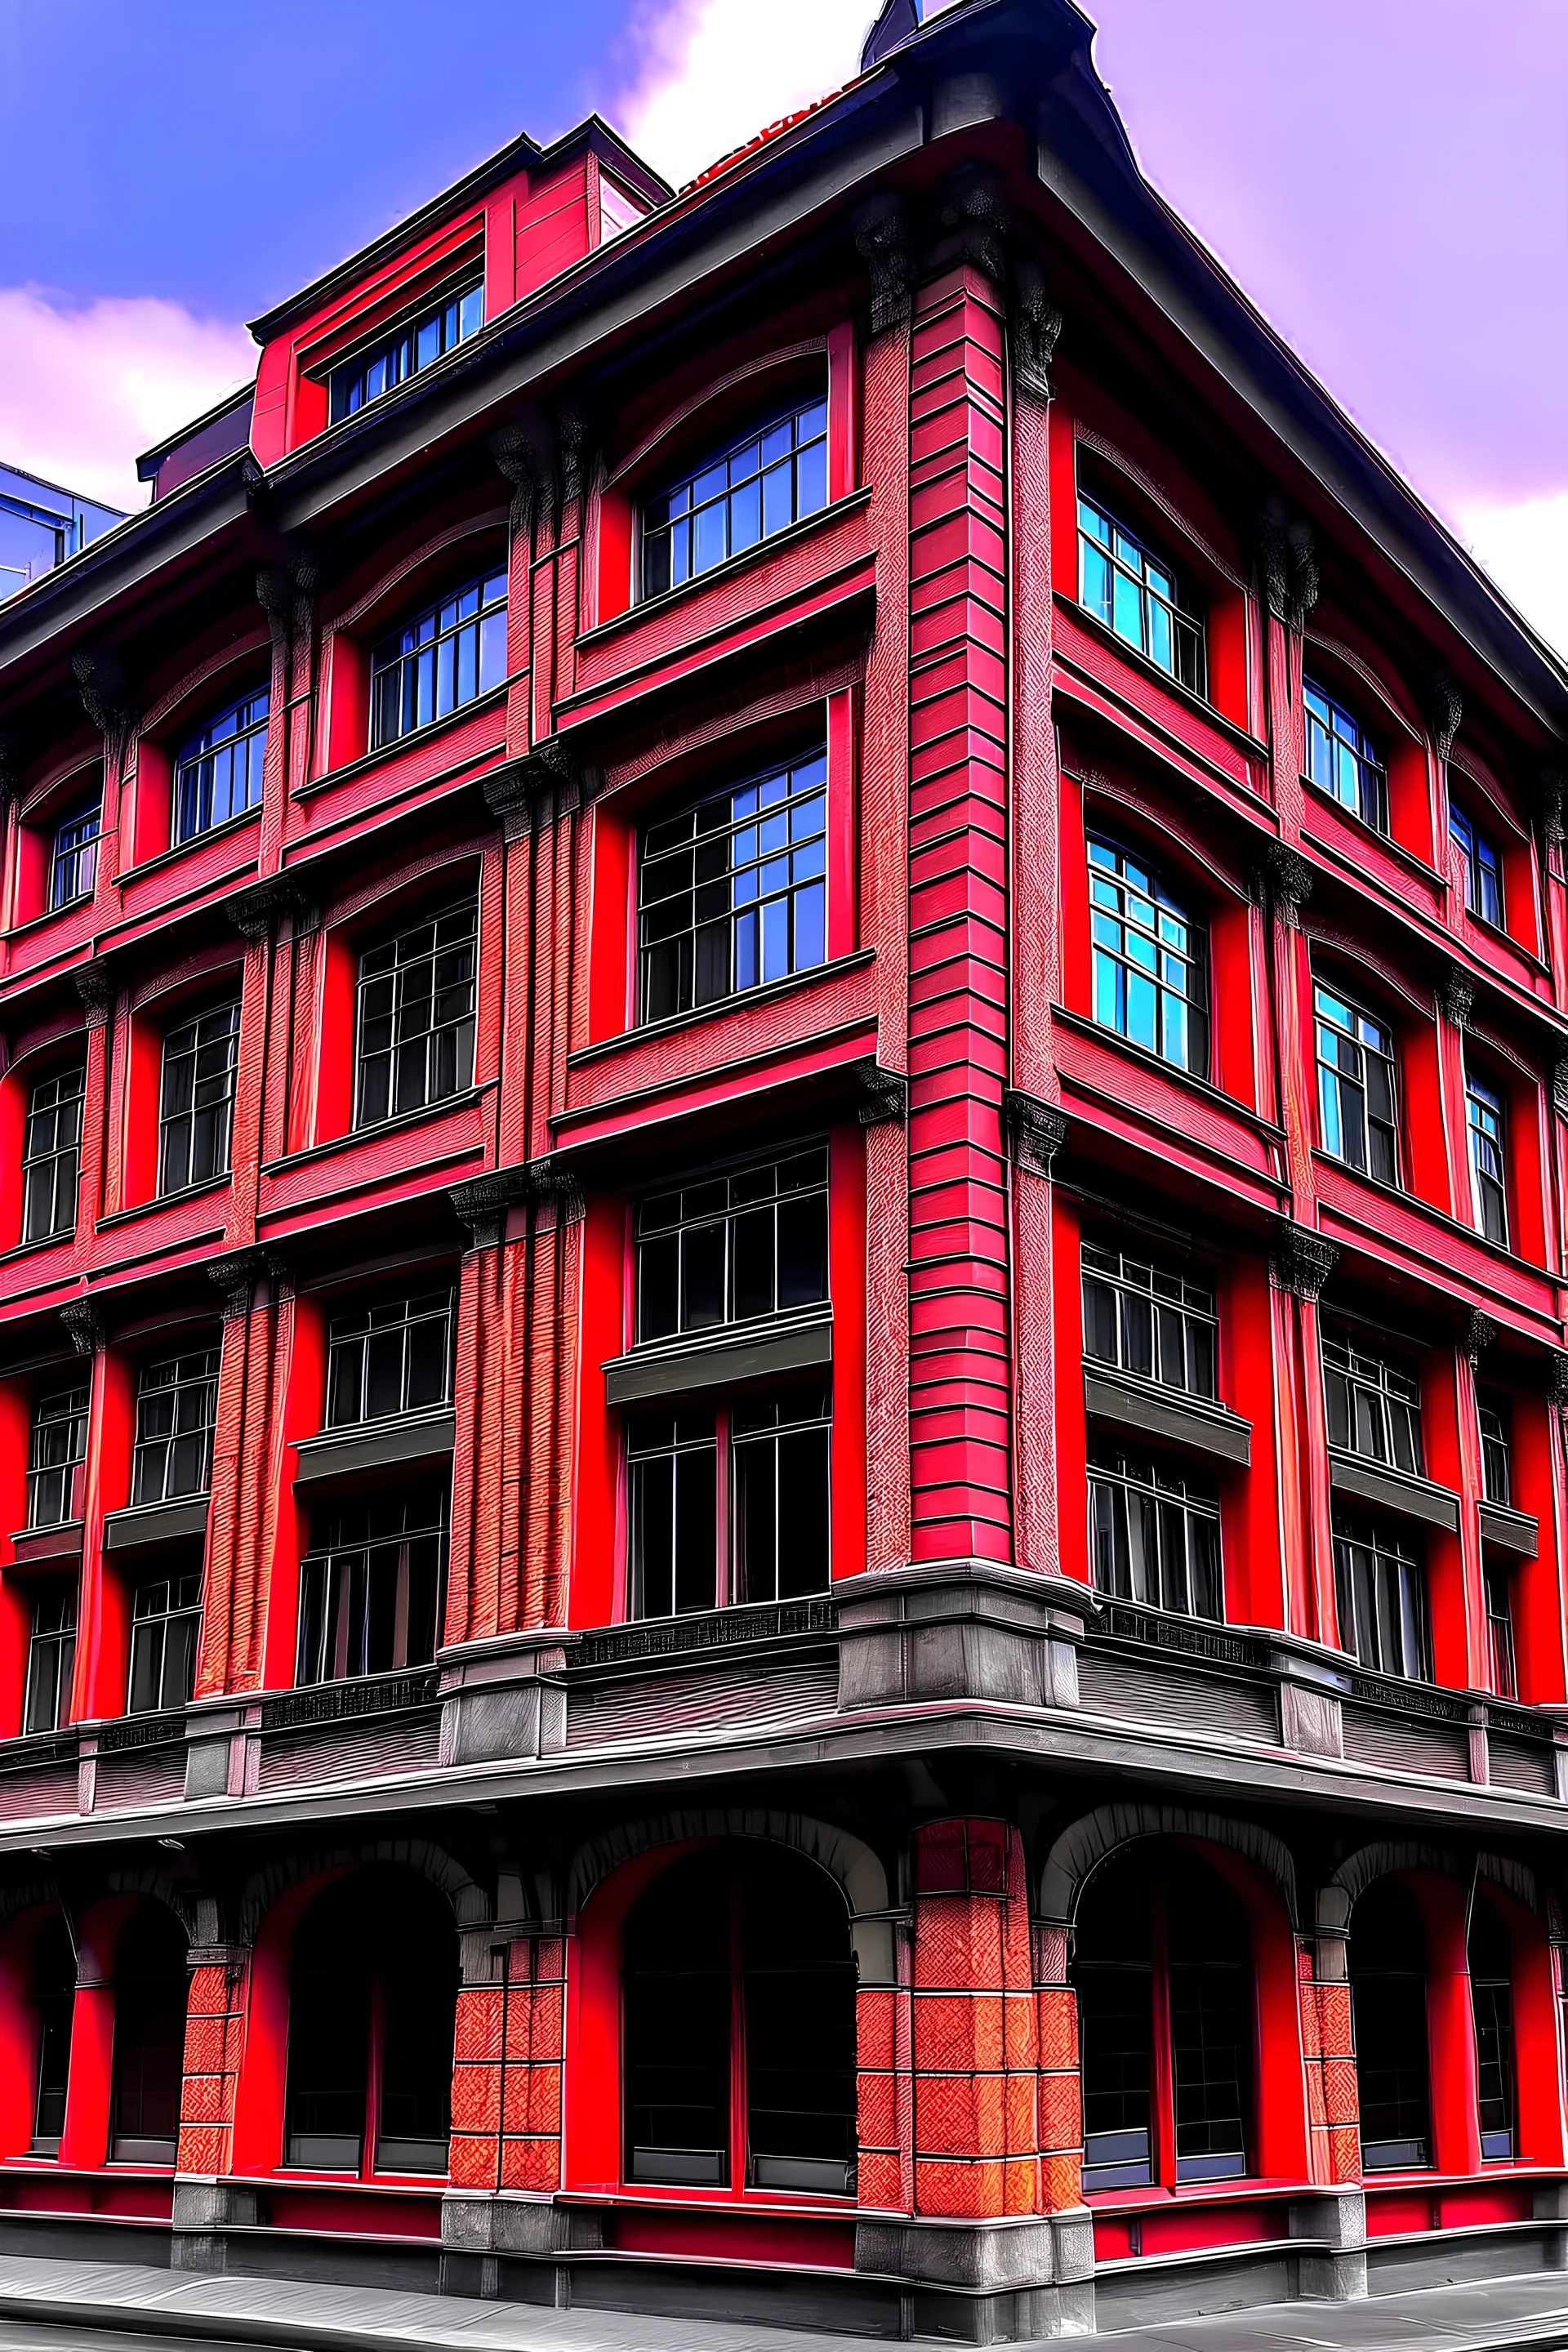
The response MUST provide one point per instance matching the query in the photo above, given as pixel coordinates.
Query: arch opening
(152, 1984)
(1387, 1962)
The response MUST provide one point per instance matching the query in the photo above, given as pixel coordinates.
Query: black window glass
(1492, 1996)
(51, 1155)
(1387, 1957)
(731, 891)
(393, 1358)
(196, 1111)
(415, 1017)
(372, 1586)
(728, 1248)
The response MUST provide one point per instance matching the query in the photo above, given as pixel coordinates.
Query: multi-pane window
(1497, 1459)
(54, 1996)
(1481, 864)
(389, 1359)
(1500, 1634)
(1135, 593)
(731, 1248)
(176, 1409)
(1150, 960)
(409, 348)
(165, 1627)
(370, 1587)
(51, 1155)
(1146, 1319)
(446, 656)
(732, 891)
(773, 1542)
(756, 485)
(1387, 1968)
(51, 1659)
(1380, 1592)
(1355, 1084)
(416, 996)
(57, 1445)
(1484, 1119)
(1341, 759)
(74, 866)
(218, 773)
(1490, 1956)
(1374, 1406)
(1153, 1535)
(195, 1116)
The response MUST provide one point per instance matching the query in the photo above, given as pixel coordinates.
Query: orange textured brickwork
(505, 2079)
(214, 2041)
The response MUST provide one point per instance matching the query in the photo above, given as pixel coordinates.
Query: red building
(784, 986)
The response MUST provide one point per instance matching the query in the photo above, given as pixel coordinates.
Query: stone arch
(1093, 1837)
(1339, 1898)
(470, 1905)
(1516, 1877)
(848, 1859)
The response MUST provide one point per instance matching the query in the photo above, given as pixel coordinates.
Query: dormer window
(219, 771)
(743, 492)
(1341, 759)
(444, 657)
(408, 348)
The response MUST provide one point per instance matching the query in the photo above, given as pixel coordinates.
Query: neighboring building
(782, 1276)
(41, 525)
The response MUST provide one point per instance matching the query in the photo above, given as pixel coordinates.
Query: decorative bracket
(974, 210)
(84, 1326)
(882, 241)
(1036, 326)
(482, 1203)
(1302, 1262)
(238, 1276)
(517, 790)
(884, 1095)
(1283, 875)
(1560, 1088)
(286, 594)
(256, 913)
(1036, 1129)
(521, 451)
(1445, 708)
(106, 698)
(1288, 558)
(95, 986)
(1458, 999)
(1480, 1333)
(1553, 791)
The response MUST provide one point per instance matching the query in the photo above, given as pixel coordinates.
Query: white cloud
(715, 72)
(1525, 546)
(85, 389)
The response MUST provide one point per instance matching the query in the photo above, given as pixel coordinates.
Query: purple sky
(1387, 178)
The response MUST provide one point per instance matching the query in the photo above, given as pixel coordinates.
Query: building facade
(42, 525)
(782, 1281)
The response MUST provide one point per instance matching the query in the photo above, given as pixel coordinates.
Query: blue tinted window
(1134, 593)
(1341, 759)
(405, 351)
(732, 892)
(447, 656)
(219, 769)
(753, 487)
(75, 866)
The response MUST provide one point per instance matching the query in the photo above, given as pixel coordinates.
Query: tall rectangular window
(446, 656)
(1355, 1084)
(392, 1359)
(689, 1550)
(1146, 1319)
(1374, 1406)
(731, 1248)
(51, 1659)
(1481, 867)
(220, 770)
(1500, 1634)
(1381, 1593)
(74, 866)
(196, 1118)
(1496, 1465)
(732, 891)
(754, 487)
(57, 1445)
(51, 1155)
(1150, 960)
(778, 1489)
(166, 1629)
(416, 1000)
(1484, 1119)
(176, 1412)
(1155, 1536)
(370, 1588)
(1341, 759)
(440, 327)
(1135, 592)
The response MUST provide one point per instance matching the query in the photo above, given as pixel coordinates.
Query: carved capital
(1287, 560)
(1036, 1129)
(555, 1178)
(571, 444)
(1559, 1087)
(523, 452)
(95, 986)
(519, 790)
(1445, 709)
(106, 698)
(974, 210)
(1458, 999)
(1302, 1262)
(84, 1326)
(482, 1203)
(1282, 875)
(10, 771)
(1480, 1333)
(286, 594)
(1557, 1377)
(256, 913)
(882, 241)
(1553, 789)
(236, 1276)
(884, 1095)
(1036, 326)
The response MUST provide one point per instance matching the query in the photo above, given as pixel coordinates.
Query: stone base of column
(1000, 2281)
(499, 1700)
(512, 2222)
(960, 1629)
(204, 2214)
(1336, 2269)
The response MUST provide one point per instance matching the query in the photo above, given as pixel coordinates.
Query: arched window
(740, 2027)
(1388, 2005)
(54, 1996)
(1163, 1964)
(151, 1991)
(372, 2000)
(1491, 1991)
(218, 773)
(1151, 960)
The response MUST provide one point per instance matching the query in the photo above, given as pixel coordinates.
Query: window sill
(674, 1023)
(369, 761)
(162, 1201)
(50, 915)
(746, 1352)
(1198, 704)
(48, 1547)
(645, 608)
(1511, 1530)
(1418, 1205)
(142, 1525)
(1081, 1026)
(1410, 1497)
(371, 1446)
(172, 857)
(1126, 1401)
(1386, 841)
(345, 1142)
(66, 1234)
